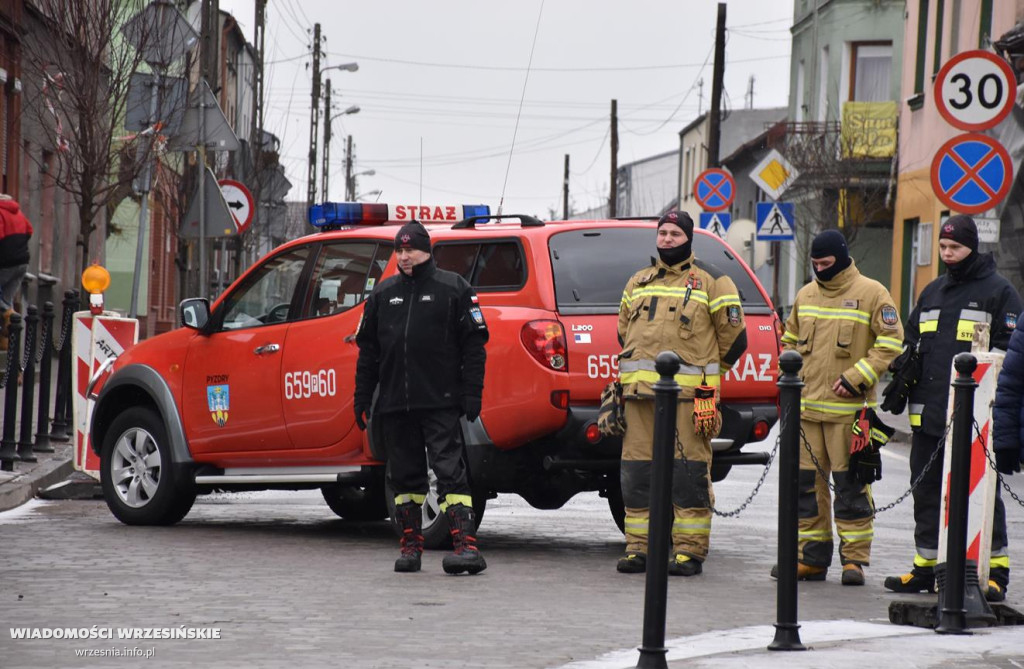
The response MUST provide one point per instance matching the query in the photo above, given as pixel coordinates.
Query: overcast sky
(449, 75)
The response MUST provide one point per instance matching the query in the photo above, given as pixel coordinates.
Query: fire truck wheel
(435, 525)
(358, 503)
(140, 485)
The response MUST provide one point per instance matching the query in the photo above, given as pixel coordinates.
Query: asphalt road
(286, 583)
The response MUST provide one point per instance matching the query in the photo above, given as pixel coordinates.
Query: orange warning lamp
(95, 280)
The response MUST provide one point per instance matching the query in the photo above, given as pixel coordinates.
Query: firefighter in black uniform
(941, 326)
(422, 340)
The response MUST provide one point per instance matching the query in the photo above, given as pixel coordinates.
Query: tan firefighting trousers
(692, 494)
(830, 443)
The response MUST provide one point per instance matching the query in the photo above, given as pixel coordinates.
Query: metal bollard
(28, 387)
(952, 613)
(8, 454)
(787, 630)
(666, 392)
(45, 370)
(61, 415)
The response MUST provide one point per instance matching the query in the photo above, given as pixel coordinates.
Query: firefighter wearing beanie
(421, 341)
(692, 308)
(847, 328)
(941, 326)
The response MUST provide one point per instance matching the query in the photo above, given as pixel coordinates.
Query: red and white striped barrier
(983, 478)
(94, 340)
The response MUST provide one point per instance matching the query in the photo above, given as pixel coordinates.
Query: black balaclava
(962, 230)
(830, 243)
(677, 254)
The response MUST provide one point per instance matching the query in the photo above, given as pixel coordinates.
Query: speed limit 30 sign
(975, 90)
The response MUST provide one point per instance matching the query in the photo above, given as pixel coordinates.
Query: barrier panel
(94, 340)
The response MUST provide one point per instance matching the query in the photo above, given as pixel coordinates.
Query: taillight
(545, 341)
(593, 433)
(760, 430)
(560, 399)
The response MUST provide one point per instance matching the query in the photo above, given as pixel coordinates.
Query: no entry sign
(975, 90)
(971, 173)
(714, 189)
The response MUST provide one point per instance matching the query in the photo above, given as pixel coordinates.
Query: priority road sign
(239, 201)
(971, 173)
(717, 222)
(975, 90)
(774, 174)
(776, 221)
(714, 189)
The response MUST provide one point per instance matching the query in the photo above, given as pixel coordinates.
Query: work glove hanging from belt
(906, 372)
(869, 435)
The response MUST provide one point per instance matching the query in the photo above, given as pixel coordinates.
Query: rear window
(486, 265)
(591, 267)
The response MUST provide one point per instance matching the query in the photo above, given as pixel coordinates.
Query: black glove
(865, 466)
(362, 415)
(1008, 461)
(471, 407)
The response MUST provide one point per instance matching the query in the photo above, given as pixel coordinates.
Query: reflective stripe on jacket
(847, 327)
(691, 308)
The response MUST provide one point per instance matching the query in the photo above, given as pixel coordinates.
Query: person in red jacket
(15, 231)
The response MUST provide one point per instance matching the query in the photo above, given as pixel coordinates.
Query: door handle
(267, 348)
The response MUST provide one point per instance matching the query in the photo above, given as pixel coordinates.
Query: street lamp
(354, 109)
(371, 193)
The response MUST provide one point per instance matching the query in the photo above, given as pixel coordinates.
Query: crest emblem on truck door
(219, 401)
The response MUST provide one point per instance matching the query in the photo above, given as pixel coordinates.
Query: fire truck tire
(358, 503)
(140, 484)
(435, 525)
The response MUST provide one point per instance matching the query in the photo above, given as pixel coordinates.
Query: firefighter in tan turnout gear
(692, 308)
(847, 329)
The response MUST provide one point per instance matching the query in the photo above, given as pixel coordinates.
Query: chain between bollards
(952, 612)
(666, 399)
(787, 630)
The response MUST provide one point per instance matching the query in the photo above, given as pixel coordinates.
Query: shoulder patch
(1011, 321)
(733, 312)
(889, 315)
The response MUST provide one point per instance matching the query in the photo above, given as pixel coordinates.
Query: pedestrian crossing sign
(717, 223)
(775, 221)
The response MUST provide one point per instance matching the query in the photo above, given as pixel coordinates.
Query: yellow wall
(916, 200)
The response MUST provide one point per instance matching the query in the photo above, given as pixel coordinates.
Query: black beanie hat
(680, 218)
(413, 235)
(962, 230)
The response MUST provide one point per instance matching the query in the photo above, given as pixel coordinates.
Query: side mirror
(194, 312)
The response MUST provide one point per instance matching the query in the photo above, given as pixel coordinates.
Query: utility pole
(327, 140)
(210, 32)
(613, 196)
(715, 130)
(314, 119)
(700, 96)
(565, 190)
(350, 187)
(750, 93)
(256, 132)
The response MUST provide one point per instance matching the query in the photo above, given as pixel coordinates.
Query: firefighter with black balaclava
(847, 329)
(692, 308)
(941, 326)
(421, 340)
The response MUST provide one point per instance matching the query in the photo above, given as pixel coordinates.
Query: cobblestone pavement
(287, 584)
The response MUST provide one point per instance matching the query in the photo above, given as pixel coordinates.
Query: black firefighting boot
(466, 557)
(920, 579)
(853, 574)
(410, 517)
(998, 580)
(684, 565)
(633, 562)
(804, 572)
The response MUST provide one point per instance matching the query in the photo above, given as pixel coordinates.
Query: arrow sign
(717, 223)
(714, 189)
(239, 200)
(971, 173)
(775, 221)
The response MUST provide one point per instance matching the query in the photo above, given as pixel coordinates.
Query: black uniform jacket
(422, 339)
(943, 322)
